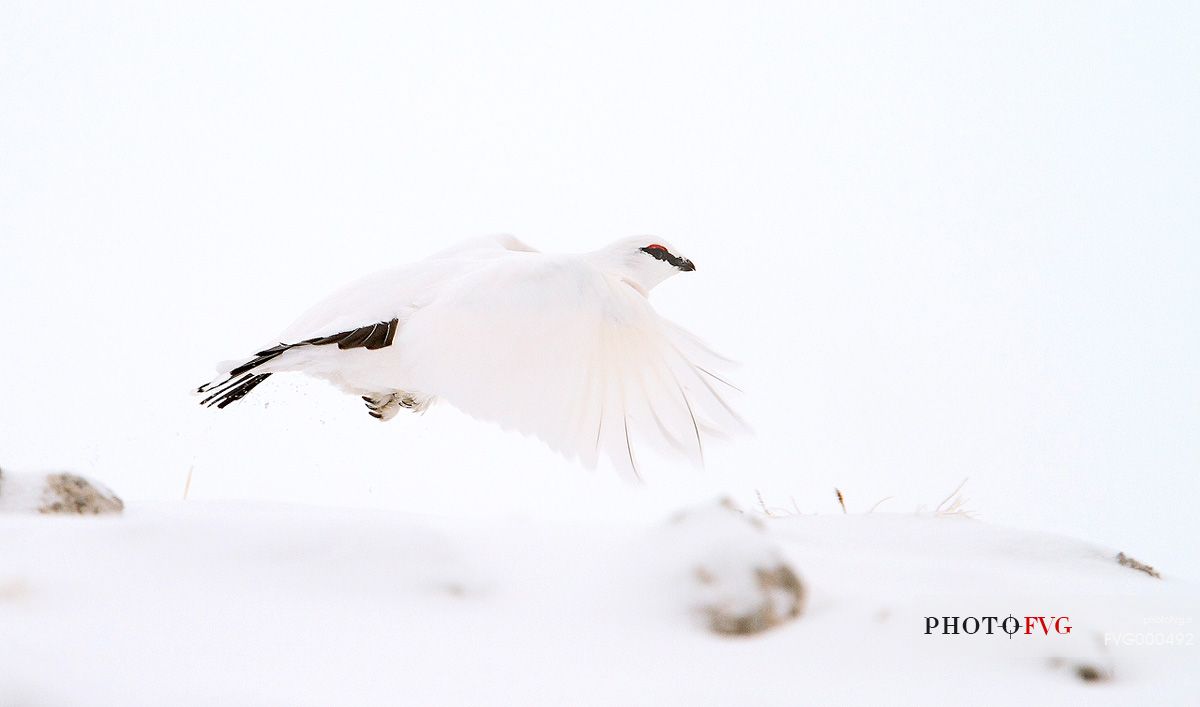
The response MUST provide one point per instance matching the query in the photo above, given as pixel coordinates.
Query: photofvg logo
(993, 625)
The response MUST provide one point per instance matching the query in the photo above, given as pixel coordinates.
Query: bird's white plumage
(565, 348)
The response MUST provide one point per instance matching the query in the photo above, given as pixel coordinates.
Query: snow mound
(198, 604)
(740, 582)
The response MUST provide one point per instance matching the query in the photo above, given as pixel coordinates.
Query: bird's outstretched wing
(395, 292)
(559, 350)
(364, 315)
(484, 246)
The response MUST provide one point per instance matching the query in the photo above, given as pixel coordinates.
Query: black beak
(687, 266)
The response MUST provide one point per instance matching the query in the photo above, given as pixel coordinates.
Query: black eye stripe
(663, 254)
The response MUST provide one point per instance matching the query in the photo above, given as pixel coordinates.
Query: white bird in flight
(565, 348)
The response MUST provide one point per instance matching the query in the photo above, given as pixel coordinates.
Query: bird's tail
(230, 389)
(238, 378)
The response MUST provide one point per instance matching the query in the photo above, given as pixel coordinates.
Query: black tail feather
(241, 381)
(234, 390)
(259, 359)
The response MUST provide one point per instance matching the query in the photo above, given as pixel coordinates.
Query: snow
(21, 491)
(946, 240)
(195, 603)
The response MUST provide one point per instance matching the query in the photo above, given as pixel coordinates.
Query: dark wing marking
(240, 381)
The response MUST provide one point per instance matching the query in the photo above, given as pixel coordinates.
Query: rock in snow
(62, 492)
(1127, 561)
(745, 585)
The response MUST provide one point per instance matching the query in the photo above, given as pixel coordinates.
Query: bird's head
(645, 261)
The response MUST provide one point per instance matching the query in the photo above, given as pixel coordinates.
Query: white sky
(946, 241)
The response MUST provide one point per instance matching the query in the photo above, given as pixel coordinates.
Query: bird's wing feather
(386, 296)
(485, 245)
(556, 349)
(396, 292)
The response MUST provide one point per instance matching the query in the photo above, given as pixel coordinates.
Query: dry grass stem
(880, 502)
(954, 504)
